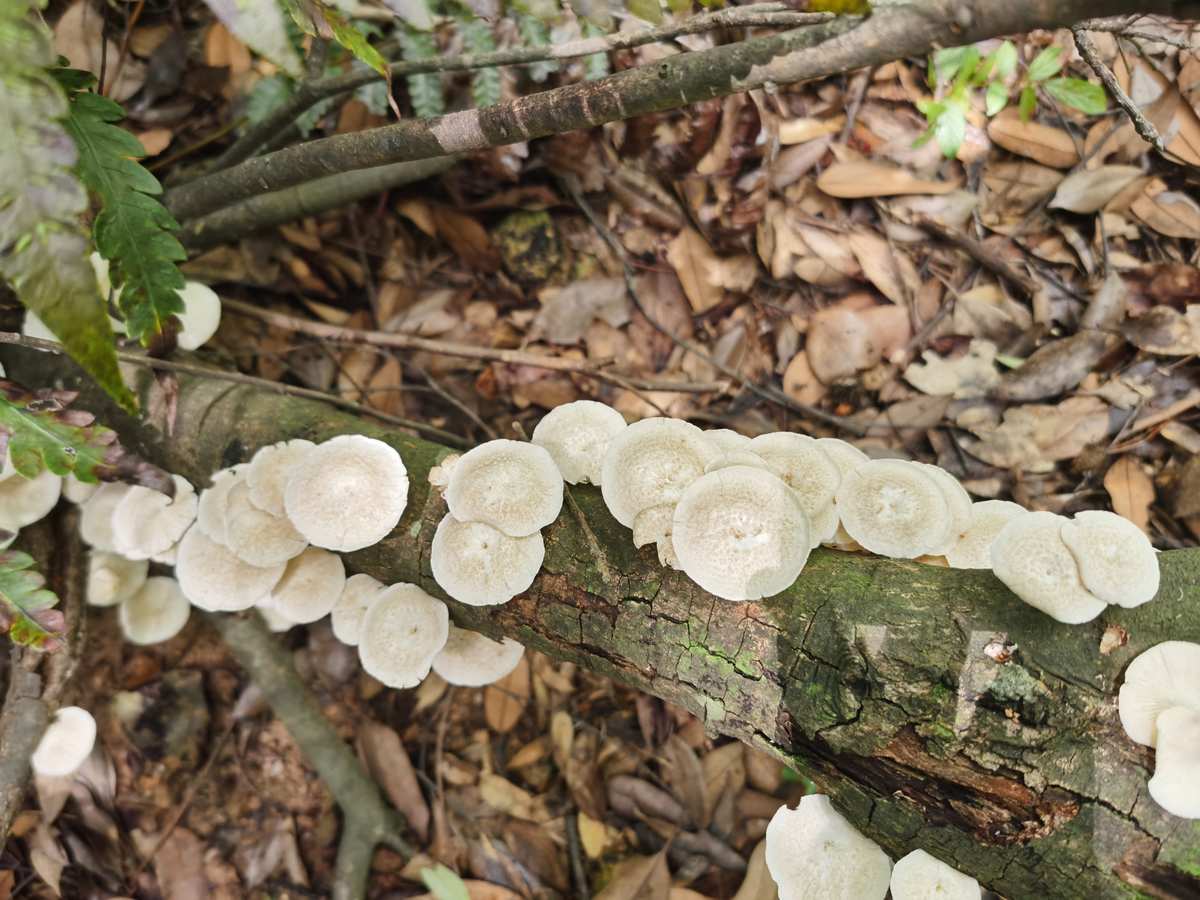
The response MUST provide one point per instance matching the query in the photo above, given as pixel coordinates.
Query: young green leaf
(1078, 94)
(997, 97)
(25, 603)
(1045, 64)
(950, 129)
(647, 10)
(535, 34)
(947, 63)
(485, 83)
(424, 90)
(1004, 60)
(1028, 102)
(444, 884)
(595, 66)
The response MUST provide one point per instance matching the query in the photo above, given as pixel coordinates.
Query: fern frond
(595, 66)
(485, 83)
(535, 34)
(425, 90)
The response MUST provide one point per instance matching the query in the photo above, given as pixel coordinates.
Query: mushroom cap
(471, 659)
(653, 526)
(112, 578)
(920, 876)
(214, 502)
(347, 613)
(309, 587)
(1116, 560)
(651, 463)
(255, 535)
(813, 853)
(809, 471)
(76, 491)
(24, 501)
(276, 621)
(741, 533)
(200, 317)
(974, 547)
(402, 631)
(1165, 676)
(845, 455)
(576, 436)
(146, 522)
(736, 458)
(66, 743)
(511, 485)
(959, 503)
(154, 614)
(894, 508)
(214, 579)
(1029, 556)
(1175, 785)
(480, 566)
(96, 516)
(347, 493)
(269, 471)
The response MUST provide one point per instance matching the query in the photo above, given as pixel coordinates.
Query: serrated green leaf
(997, 97)
(1076, 93)
(1028, 102)
(950, 129)
(947, 62)
(425, 90)
(1046, 63)
(133, 231)
(42, 433)
(444, 884)
(23, 593)
(1004, 60)
(354, 40)
(485, 83)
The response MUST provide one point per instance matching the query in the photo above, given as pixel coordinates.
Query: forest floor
(798, 262)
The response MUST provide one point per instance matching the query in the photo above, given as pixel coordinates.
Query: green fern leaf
(133, 231)
(595, 66)
(25, 604)
(535, 34)
(40, 431)
(425, 90)
(43, 248)
(485, 83)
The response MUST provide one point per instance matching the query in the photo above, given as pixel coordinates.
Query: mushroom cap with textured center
(155, 613)
(740, 533)
(471, 659)
(309, 587)
(813, 853)
(112, 578)
(478, 565)
(576, 435)
(1165, 676)
(213, 505)
(808, 470)
(974, 547)
(894, 508)
(1116, 560)
(920, 876)
(347, 613)
(511, 485)
(24, 501)
(651, 463)
(1175, 785)
(255, 535)
(269, 471)
(96, 516)
(215, 579)
(347, 493)
(65, 744)
(1029, 556)
(146, 522)
(402, 631)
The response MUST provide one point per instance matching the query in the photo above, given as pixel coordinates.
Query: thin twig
(1143, 126)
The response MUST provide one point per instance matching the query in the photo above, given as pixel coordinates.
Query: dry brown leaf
(1165, 330)
(567, 312)
(468, 239)
(1048, 145)
(639, 878)
(179, 867)
(223, 50)
(1172, 213)
(843, 340)
(852, 180)
(1131, 491)
(724, 773)
(504, 701)
(798, 131)
(973, 374)
(1034, 437)
(594, 836)
(48, 858)
(79, 36)
(386, 759)
(892, 272)
(480, 890)
(384, 390)
(683, 773)
(501, 794)
(704, 275)
(155, 140)
(1089, 190)
(1015, 187)
(758, 884)
(800, 383)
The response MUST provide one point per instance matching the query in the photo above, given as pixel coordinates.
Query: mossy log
(934, 707)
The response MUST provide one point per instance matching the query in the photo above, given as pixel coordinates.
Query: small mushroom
(255, 535)
(402, 631)
(654, 526)
(214, 501)
(576, 436)
(813, 853)
(310, 586)
(347, 493)
(347, 613)
(1175, 785)
(269, 471)
(512, 486)
(277, 623)
(741, 533)
(214, 579)
(1029, 556)
(847, 458)
(24, 501)
(76, 491)
(809, 471)
(96, 516)
(651, 463)
(727, 440)
(894, 508)
(958, 501)
(920, 876)
(974, 547)
(470, 659)
(201, 315)
(480, 566)
(1161, 678)
(146, 522)
(156, 613)
(66, 743)
(1116, 560)
(112, 578)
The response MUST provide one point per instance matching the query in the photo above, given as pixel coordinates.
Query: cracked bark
(877, 678)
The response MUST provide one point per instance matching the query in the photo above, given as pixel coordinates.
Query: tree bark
(934, 707)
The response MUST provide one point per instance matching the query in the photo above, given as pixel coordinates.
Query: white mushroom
(403, 630)
(1175, 785)
(651, 463)
(255, 535)
(1116, 560)
(310, 586)
(958, 501)
(96, 516)
(920, 876)
(737, 458)
(24, 501)
(276, 622)
(511, 485)
(76, 491)
(727, 440)
(347, 613)
(146, 522)
(214, 501)
(809, 471)
(154, 614)
(269, 471)
(974, 547)
(112, 578)
(480, 566)
(847, 458)
(1165, 676)
(813, 853)
(894, 508)
(347, 493)
(654, 526)
(741, 533)
(214, 579)
(576, 436)
(470, 659)
(1029, 556)
(200, 317)
(66, 743)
